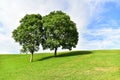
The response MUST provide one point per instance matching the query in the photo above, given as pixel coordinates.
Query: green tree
(29, 33)
(60, 31)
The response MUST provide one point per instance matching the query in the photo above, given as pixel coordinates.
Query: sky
(97, 21)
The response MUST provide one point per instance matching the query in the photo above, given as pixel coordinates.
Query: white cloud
(108, 31)
(111, 39)
(11, 11)
(7, 45)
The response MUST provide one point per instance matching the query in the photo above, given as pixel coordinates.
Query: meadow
(71, 65)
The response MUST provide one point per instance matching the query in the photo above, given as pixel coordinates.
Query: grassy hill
(75, 65)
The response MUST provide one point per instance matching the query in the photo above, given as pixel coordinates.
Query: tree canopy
(60, 31)
(29, 33)
(51, 31)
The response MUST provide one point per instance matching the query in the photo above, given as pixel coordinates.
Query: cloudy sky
(98, 21)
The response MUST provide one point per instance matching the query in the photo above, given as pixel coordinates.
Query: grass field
(75, 65)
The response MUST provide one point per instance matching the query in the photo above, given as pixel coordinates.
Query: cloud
(7, 45)
(106, 38)
(103, 29)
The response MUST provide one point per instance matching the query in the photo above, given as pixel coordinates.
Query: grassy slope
(77, 65)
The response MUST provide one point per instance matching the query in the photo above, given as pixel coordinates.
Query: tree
(60, 31)
(29, 33)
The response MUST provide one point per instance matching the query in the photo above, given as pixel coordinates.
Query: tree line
(50, 31)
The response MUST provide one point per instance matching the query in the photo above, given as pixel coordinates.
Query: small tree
(60, 31)
(29, 33)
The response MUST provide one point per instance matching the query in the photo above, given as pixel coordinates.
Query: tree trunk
(55, 52)
(31, 58)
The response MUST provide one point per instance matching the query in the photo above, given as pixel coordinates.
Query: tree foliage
(52, 31)
(60, 31)
(29, 33)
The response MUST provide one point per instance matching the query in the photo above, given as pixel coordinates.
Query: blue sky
(104, 28)
(97, 21)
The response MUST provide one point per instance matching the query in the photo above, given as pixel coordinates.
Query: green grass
(75, 65)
